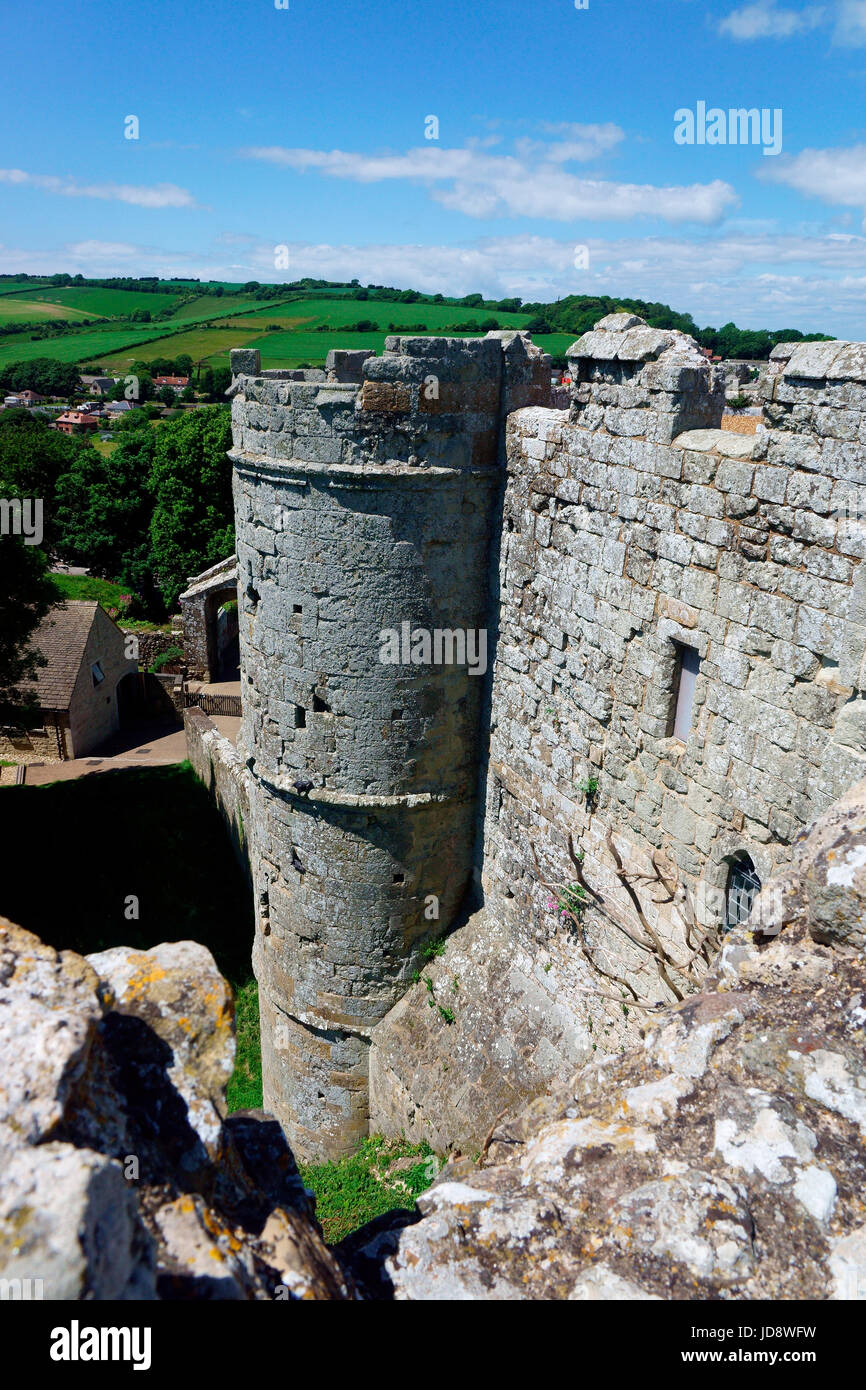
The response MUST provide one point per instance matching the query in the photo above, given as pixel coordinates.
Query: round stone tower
(364, 511)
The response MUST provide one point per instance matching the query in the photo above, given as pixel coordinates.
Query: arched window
(743, 887)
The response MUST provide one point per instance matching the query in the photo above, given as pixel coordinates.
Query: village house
(102, 385)
(177, 383)
(78, 690)
(76, 422)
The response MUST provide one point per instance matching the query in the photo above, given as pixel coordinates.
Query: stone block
(245, 361)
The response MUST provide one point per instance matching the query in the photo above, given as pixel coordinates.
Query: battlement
(638, 381)
(426, 403)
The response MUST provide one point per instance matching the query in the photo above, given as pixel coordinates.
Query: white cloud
(834, 176)
(530, 183)
(850, 28)
(764, 20)
(755, 278)
(159, 195)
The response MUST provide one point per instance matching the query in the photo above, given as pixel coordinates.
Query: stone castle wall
(618, 547)
(631, 525)
(434, 487)
(362, 507)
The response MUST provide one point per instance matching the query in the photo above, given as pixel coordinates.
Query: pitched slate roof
(61, 637)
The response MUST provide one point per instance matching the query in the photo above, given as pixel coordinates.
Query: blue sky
(305, 127)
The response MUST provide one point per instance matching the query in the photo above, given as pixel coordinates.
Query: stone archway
(223, 635)
(209, 640)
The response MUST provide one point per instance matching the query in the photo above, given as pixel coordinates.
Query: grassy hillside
(299, 325)
(106, 303)
(12, 286)
(17, 308)
(337, 312)
(89, 345)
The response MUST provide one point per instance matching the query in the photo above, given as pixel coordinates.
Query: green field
(107, 303)
(212, 344)
(340, 311)
(91, 345)
(16, 308)
(206, 307)
(207, 328)
(292, 349)
(11, 286)
(557, 344)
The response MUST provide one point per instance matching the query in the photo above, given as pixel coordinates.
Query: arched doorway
(742, 889)
(228, 652)
(223, 642)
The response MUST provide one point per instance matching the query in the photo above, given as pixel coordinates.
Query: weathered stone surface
(119, 1176)
(177, 992)
(348, 504)
(49, 1014)
(69, 1219)
(723, 1157)
(736, 446)
(450, 1059)
(246, 361)
(629, 531)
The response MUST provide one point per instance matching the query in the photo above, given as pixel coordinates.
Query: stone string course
(435, 485)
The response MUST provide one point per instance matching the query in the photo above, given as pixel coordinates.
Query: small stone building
(79, 689)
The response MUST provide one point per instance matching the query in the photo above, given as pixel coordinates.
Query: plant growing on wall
(680, 971)
(589, 788)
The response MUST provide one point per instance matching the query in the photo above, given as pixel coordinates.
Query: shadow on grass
(74, 853)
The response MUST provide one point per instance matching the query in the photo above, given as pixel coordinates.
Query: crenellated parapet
(642, 382)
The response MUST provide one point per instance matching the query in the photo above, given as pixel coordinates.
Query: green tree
(193, 518)
(215, 381)
(32, 460)
(166, 395)
(26, 594)
(42, 374)
(105, 504)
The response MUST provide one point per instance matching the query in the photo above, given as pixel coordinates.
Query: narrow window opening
(743, 887)
(397, 714)
(300, 717)
(297, 608)
(97, 672)
(320, 706)
(399, 878)
(688, 664)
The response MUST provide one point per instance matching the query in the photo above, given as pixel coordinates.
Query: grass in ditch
(379, 1177)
